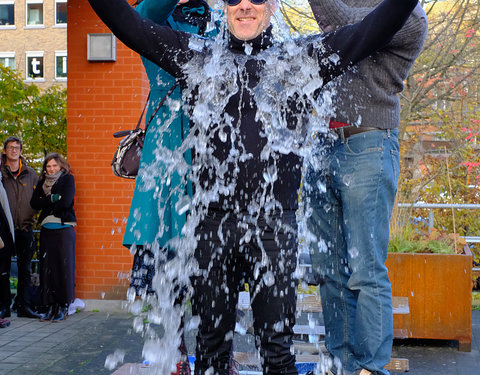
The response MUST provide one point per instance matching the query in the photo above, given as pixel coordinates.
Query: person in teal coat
(153, 220)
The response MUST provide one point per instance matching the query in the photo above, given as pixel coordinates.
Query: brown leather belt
(344, 130)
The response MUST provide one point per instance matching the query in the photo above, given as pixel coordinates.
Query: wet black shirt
(171, 50)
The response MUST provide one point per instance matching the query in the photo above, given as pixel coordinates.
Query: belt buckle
(338, 128)
(341, 133)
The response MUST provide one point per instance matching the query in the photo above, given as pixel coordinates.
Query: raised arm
(333, 14)
(160, 44)
(355, 42)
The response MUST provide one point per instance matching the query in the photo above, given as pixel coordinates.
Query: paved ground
(81, 344)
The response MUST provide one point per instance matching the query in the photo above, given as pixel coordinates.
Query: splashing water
(212, 82)
(114, 359)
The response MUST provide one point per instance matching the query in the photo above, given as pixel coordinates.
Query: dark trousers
(143, 271)
(24, 247)
(57, 266)
(261, 253)
(5, 262)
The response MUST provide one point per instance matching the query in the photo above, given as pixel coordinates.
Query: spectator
(7, 238)
(54, 196)
(19, 181)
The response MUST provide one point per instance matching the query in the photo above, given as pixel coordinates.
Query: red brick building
(102, 98)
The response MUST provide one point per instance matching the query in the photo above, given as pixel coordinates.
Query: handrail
(430, 206)
(471, 239)
(468, 206)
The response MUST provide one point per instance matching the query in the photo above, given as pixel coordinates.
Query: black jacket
(241, 178)
(63, 208)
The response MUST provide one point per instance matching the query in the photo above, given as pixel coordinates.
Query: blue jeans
(350, 217)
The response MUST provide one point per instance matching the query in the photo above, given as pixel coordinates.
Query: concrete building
(33, 40)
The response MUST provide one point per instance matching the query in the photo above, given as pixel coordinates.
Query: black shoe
(51, 311)
(4, 313)
(61, 314)
(27, 312)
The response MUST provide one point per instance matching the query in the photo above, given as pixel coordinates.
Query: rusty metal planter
(439, 291)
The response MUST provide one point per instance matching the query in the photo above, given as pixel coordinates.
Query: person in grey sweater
(350, 201)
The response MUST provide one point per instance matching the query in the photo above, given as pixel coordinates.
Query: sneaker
(183, 368)
(4, 323)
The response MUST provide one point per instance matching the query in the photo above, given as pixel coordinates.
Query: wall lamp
(101, 47)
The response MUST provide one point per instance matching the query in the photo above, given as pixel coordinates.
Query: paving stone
(81, 344)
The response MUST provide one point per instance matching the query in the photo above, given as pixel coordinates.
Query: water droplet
(114, 359)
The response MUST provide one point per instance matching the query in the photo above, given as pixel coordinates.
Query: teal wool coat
(153, 202)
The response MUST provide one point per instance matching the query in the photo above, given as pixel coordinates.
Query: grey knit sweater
(368, 96)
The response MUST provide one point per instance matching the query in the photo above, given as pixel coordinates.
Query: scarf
(50, 180)
(195, 13)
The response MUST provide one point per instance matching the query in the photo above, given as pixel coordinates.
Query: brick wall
(102, 98)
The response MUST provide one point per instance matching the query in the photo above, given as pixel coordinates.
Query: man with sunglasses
(244, 105)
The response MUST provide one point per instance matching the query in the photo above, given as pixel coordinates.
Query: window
(61, 65)
(7, 14)
(34, 12)
(60, 12)
(7, 59)
(34, 66)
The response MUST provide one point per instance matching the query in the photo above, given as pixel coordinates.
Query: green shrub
(410, 240)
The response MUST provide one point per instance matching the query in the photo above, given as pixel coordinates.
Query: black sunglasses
(232, 3)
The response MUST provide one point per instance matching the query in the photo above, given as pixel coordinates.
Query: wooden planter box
(439, 292)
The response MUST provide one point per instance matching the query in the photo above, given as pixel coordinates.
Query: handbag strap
(143, 112)
(123, 133)
(159, 104)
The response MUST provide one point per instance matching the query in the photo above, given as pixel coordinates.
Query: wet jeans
(229, 254)
(351, 204)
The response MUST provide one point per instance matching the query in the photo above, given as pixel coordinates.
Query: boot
(61, 314)
(4, 312)
(49, 314)
(27, 312)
